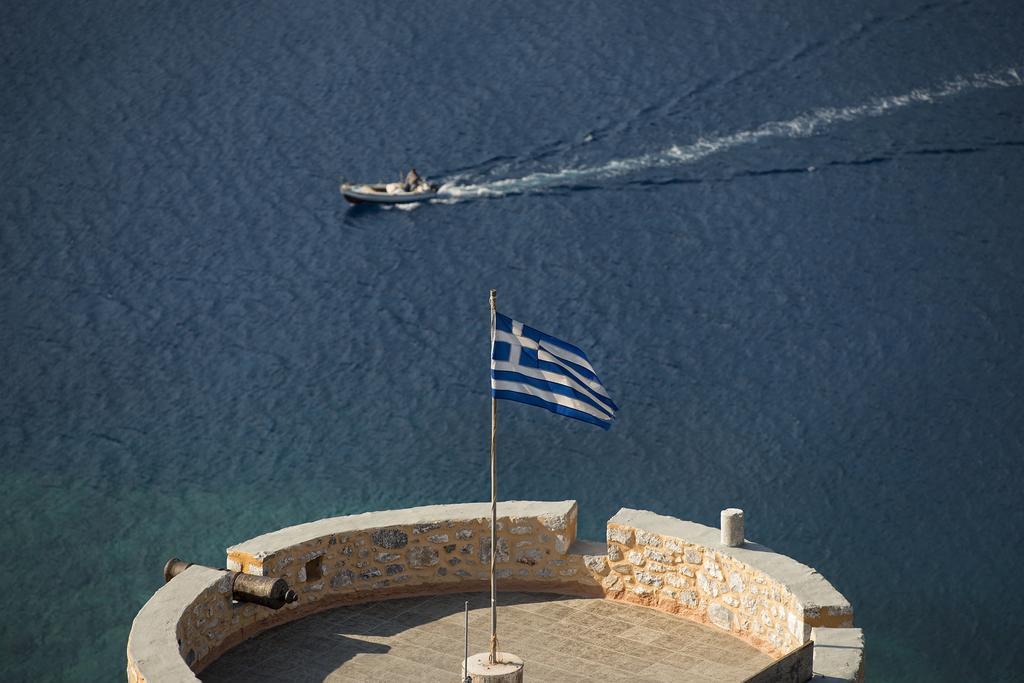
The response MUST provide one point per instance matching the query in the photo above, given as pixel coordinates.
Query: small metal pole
(465, 667)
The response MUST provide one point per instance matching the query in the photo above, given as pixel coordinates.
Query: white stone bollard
(507, 669)
(732, 527)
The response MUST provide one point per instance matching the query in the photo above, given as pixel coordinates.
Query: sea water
(788, 236)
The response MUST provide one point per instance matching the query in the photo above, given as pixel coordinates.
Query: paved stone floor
(560, 638)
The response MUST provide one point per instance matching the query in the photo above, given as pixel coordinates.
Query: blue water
(789, 237)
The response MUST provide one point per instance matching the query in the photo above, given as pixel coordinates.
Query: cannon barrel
(262, 590)
(174, 567)
(259, 590)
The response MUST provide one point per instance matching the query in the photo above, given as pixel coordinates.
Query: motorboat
(389, 193)
(411, 189)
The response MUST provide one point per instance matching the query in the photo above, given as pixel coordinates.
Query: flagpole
(494, 493)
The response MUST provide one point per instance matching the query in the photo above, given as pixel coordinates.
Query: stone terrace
(561, 638)
(372, 583)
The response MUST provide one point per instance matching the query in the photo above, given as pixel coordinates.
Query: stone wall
(359, 558)
(444, 547)
(179, 625)
(767, 599)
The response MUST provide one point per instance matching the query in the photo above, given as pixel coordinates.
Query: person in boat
(412, 181)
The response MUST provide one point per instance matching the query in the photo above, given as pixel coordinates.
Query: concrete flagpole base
(506, 669)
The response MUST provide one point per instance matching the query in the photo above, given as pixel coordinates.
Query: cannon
(259, 590)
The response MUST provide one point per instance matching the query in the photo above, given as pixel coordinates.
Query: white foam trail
(804, 125)
(412, 206)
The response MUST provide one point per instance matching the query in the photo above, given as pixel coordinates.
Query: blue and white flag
(535, 368)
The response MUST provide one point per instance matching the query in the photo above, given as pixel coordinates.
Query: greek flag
(535, 368)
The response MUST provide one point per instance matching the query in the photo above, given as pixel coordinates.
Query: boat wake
(804, 125)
